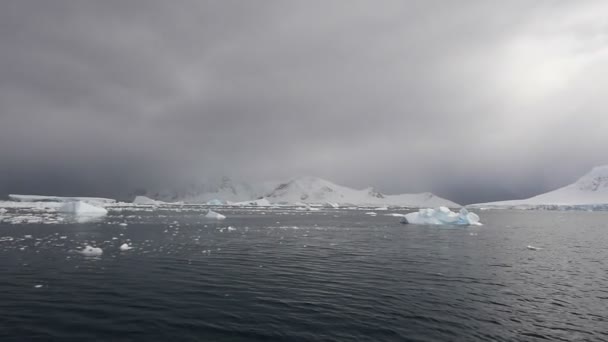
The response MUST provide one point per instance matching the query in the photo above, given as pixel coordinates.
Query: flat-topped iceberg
(38, 198)
(441, 216)
(80, 208)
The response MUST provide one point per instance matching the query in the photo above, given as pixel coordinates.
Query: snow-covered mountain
(224, 190)
(591, 190)
(309, 190)
(317, 190)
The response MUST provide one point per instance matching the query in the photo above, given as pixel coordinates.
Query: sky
(472, 100)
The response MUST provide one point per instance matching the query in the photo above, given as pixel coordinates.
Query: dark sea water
(287, 275)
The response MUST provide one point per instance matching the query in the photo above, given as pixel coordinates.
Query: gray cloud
(475, 101)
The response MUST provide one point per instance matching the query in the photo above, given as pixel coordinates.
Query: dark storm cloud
(475, 101)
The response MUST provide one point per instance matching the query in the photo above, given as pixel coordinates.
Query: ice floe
(125, 247)
(91, 251)
(441, 216)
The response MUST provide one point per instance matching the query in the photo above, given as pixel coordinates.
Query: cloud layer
(475, 101)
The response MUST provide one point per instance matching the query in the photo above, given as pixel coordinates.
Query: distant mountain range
(307, 190)
(590, 191)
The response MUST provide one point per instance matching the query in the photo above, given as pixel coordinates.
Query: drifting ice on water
(441, 216)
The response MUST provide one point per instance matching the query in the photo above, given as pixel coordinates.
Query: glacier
(441, 216)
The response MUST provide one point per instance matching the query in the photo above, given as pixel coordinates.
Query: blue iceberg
(441, 216)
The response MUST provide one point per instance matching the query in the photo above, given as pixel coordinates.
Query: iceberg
(125, 247)
(213, 215)
(81, 208)
(441, 216)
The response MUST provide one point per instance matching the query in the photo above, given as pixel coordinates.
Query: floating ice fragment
(38, 286)
(213, 215)
(532, 248)
(395, 215)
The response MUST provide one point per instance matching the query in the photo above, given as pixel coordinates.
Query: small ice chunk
(231, 229)
(91, 251)
(371, 213)
(532, 248)
(213, 215)
(38, 286)
(122, 224)
(125, 247)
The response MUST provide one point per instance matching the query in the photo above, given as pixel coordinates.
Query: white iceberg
(441, 216)
(213, 215)
(91, 251)
(80, 208)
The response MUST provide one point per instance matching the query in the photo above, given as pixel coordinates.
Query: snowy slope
(224, 190)
(591, 189)
(317, 190)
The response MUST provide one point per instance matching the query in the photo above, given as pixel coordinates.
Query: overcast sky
(473, 100)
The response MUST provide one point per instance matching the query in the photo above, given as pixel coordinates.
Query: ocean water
(289, 275)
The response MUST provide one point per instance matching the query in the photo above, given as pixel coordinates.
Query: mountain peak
(317, 190)
(595, 180)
